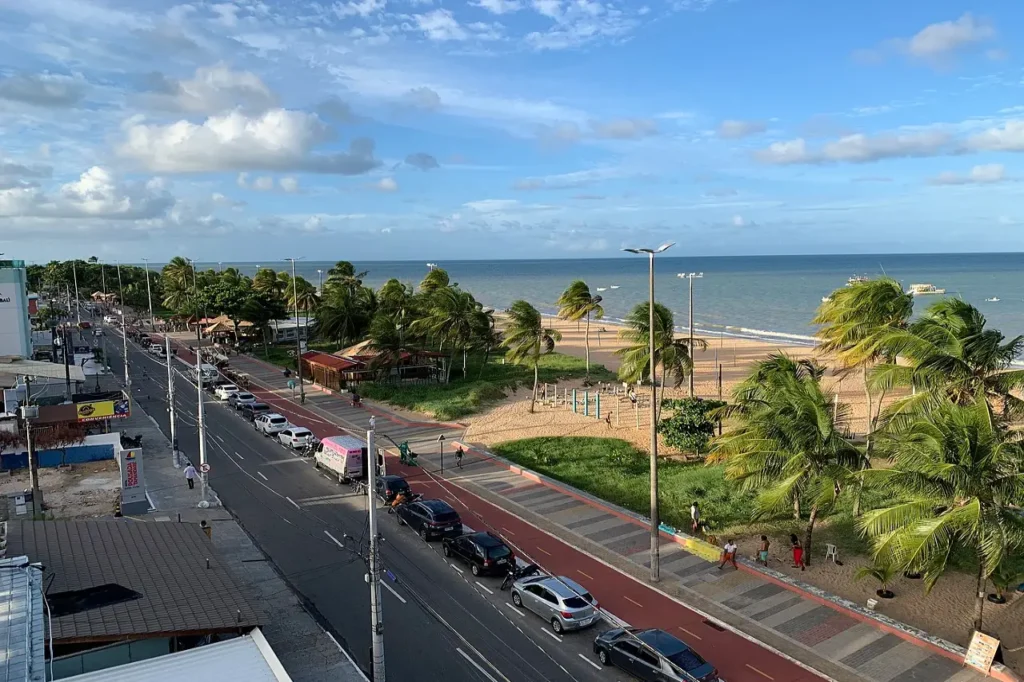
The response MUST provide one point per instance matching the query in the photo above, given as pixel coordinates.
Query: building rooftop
(117, 578)
(21, 621)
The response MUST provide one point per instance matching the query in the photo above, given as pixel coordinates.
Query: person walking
(729, 555)
(190, 476)
(459, 452)
(695, 518)
(762, 551)
(798, 552)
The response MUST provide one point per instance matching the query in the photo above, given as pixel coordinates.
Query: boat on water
(826, 299)
(856, 279)
(994, 299)
(614, 286)
(924, 289)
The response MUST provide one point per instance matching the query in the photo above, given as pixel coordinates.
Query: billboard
(103, 409)
(13, 320)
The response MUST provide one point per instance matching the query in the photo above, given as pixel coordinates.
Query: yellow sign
(102, 409)
(982, 651)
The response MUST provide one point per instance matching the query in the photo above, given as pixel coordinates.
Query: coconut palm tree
(344, 275)
(342, 316)
(949, 354)
(791, 443)
(855, 320)
(454, 318)
(671, 353)
(960, 473)
(577, 303)
(177, 277)
(526, 339)
(385, 339)
(266, 281)
(434, 280)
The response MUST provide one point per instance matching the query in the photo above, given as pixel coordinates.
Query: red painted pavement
(737, 659)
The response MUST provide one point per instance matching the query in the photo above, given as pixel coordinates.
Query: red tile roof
(330, 361)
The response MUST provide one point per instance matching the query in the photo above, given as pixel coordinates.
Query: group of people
(699, 528)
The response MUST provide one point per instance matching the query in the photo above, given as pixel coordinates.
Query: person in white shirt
(729, 555)
(190, 476)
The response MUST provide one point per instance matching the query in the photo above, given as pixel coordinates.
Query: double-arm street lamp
(690, 276)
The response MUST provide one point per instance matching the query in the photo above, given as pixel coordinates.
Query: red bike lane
(738, 659)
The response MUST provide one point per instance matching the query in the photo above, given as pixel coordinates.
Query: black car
(484, 552)
(625, 649)
(431, 518)
(388, 487)
(253, 410)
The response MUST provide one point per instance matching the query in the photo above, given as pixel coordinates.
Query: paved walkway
(832, 640)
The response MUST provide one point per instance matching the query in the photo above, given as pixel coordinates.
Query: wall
(15, 336)
(94, 449)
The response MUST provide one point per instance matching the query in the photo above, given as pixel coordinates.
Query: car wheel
(517, 600)
(602, 656)
(475, 570)
(556, 625)
(401, 521)
(316, 464)
(423, 533)
(446, 551)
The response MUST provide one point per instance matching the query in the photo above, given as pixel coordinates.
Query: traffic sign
(291, 384)
(205, 468)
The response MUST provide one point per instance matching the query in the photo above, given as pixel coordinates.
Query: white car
(225, 391)
(270, 424)
(109, 319)
(296, 437)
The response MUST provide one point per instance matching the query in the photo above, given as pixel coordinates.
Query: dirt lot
(80, 491)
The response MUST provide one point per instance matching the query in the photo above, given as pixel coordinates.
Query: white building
(15, 327)
(282, 331)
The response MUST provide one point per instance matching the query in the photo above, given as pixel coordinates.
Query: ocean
(766, 297)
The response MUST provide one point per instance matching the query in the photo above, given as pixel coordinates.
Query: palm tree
(577, 303)
(344, 275)
(791, 443)
(385, 337)
(454, 317)
(960, 473)
(527, 339)
(266, 281)
(177, 278)
(671, 353)
(855, 321)
(342, 316)
(950, 355)
(434, 280)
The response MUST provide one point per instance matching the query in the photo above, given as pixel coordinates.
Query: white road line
(515, 610)
(336, 540)
(219, 439)
(392, 591)
(691, 634)
(294, 503)
(260, 474)
(475, 665)
(287, 521)
(457, 568)
(632, 600)
(238, 455)
(551, 634)
(485, 589)
(589, 662)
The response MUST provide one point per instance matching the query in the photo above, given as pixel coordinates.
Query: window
(647, 657)
(533, 589)
(627, 648)
(548, 597)
(576, 603)
(499, 552)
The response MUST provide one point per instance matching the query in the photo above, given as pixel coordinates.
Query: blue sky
(410, 129)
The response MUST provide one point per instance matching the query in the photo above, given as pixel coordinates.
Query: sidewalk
(835, 637)
(307, 652)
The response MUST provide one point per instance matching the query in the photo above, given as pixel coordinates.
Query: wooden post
(719, 382)
(636, 408)
(598, 399)
(586, 403)
(618, 406)
(574, 400)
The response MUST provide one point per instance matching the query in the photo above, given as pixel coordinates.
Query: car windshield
(687, 660)
(499, 552)
(446, 517)
(300, 434)
(576, 603)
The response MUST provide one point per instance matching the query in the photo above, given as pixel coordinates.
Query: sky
(460, 129)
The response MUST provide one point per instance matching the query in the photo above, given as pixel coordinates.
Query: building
(282, 331)
(22, 626)
(15, 327)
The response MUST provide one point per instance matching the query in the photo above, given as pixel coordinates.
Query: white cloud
(289, 184)
(568, 180)
(211, 90)
(264, 183)
(42, 90)
(492, 205)
(783, 153)
(1008, 137)
(979, 175)
(733, 129)
(577, 23)
(440, 25)
(498, 6)
(423, 98)
(858, 148)
(278, 139)
(624, 128)
(361, 8)
(96, 194)
(739, 221)
(386, 185)
(946, 37)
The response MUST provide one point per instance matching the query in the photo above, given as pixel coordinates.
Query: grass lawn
(475, 392)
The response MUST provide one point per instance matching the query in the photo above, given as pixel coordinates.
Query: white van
(158, 350)
(210, 373)
(343, 456)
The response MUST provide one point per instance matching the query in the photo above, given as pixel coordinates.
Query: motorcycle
(355, 401)
(409, 499)
(516, 573)
(129, 443)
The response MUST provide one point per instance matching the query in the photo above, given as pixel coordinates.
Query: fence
(612, 403)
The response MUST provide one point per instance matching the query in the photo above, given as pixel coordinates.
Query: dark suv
(484, 552)
(431, 519)
(388, 487)
(652, 655)
(253, 410)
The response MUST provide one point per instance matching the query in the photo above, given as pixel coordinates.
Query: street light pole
(78, 303)
(149, 294)
(298, 339)
(655, 516)
(124, 333)
(201, 415)
(373, 577)
(170, 402)
(320, 288)
(691, 276)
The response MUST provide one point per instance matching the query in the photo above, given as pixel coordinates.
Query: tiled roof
(164, 562)
(328, 360)
(21, 622)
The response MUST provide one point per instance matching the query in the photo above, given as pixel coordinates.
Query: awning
(31, 368)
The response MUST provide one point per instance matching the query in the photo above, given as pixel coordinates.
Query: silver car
(564, 603)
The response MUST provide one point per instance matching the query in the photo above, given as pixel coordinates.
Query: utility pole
(124, 333)
(78, 303)
(690, 276)
(170, 403)
(33, 458)
(298, 338)
(373, 577)
(149, 294)
(201, 421)
(67, 360)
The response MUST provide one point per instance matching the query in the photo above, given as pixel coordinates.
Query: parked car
(224, 391)
(236, 400)
(250, 411)
(296, 436)
(110, 319)
(484, 552)
(270, 424)
(658, 661)
(158, 350)
(561, 601)
(388, 487)
(431, 519)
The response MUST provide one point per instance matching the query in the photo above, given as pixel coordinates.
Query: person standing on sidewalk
(798, 552)
(762, 551)
(190, 476)
(695, 517)
(459, 452)
(729, 555)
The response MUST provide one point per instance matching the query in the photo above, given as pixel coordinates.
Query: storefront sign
(982, 651)
(103, 409)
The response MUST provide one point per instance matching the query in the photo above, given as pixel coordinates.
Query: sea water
(770, 297)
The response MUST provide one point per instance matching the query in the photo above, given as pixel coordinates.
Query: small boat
(826, 299)
(602, 288)
(856, 279)
(614, 286)
(924, 289)
(994, 299)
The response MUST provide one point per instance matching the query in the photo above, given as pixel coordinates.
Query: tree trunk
(586, 344)
(464, 363)
(807, 535)
(979, 596)
(796, 508)
(234, 323)
(866, 462)
(487, 356)
(536, 377)
(451, 363)
(266, 346)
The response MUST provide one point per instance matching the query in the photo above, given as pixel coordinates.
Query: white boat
(602, 288)
(614, 286)
(994, 299)
(826, 299)
(924, 289)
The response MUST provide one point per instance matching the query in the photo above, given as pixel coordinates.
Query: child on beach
(762, 551)
(798, 552)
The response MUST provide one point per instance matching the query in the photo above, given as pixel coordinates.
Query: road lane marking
(507, 530)
(475, 665)
(759, 672)
(588, 577)
(691, 634)
(336, 540)
(485, 589)
(541, 549)
(287, 521)
(296, 505)
(238, 455)
(456, 568)
(551, 634)
(633, 601)
(515, 610)
(589, 662)
(392, 591)
(260, 474)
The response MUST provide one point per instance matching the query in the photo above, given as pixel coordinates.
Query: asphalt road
(439, 622)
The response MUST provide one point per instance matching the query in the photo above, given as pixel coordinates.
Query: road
(440, 623)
